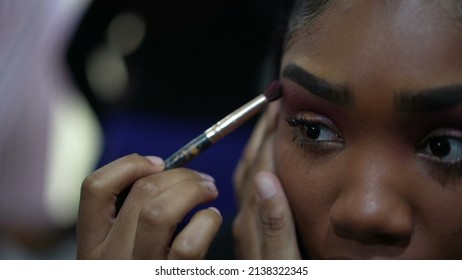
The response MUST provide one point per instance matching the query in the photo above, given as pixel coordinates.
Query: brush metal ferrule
(236, 118)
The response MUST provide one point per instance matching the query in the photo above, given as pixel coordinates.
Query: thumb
(279, 239)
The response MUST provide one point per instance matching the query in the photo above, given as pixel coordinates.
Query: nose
(371, 217)
(372, 209)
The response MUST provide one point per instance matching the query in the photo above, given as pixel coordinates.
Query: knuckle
(133, 157)
(145, 186)
(92, 184)
(273, 223)
(186, 250)
(133, 162)
(153, 216)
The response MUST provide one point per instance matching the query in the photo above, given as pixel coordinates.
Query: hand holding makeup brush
(145, 225)
(157, 201)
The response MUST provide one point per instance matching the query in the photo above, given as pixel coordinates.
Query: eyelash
(314, 127)
(447, 169)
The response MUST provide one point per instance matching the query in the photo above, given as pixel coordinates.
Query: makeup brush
(215, 133)
(223, 127)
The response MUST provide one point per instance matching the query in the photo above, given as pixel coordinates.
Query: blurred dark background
(199, 51)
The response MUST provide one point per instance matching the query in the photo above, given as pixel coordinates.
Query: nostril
(343, 232)
(372, 238)
(389, 240)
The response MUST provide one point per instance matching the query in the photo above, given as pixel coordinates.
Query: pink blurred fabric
(33, 37)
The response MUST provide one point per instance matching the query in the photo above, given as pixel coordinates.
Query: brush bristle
(273, 91)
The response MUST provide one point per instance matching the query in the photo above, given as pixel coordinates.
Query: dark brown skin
(145, 225)
(375, 190)
(356, 180)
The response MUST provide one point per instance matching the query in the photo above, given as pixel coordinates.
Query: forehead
(409, 44)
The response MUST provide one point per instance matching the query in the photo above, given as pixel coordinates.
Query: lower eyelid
(441, 169)
(314, 145)
(443, 172)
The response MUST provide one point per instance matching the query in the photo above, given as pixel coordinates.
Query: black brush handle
(178, 159)
(188, 152)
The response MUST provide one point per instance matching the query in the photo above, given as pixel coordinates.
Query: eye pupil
(440, 147)
(313, 131)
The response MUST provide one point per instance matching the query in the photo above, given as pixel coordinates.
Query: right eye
(313, 133)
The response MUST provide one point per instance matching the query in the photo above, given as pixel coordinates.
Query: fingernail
(266, 188)
(155, 160)
(211, 186)
(206, 177)
(215, 210)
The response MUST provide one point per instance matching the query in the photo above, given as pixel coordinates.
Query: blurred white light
(74, 148)
(126, 32)
(106, 73)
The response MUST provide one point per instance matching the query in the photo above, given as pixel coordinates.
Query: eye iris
(313, 131)
(440, 147)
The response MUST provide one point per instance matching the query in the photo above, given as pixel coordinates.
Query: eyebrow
(436, 99)
(332, 92)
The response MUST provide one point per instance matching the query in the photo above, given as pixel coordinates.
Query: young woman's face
(369, 139)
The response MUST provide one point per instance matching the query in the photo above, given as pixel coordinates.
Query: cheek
(309, 184)
(439, 223)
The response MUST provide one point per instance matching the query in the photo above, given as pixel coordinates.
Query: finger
(158, 219)
(143, 192)
(246, 226)
(145, 188)
(265, 126)
(279, 238)
(99, 193)
(252, 152)
(251, 148)
(246, 234)
(264, 161)
(194, 240)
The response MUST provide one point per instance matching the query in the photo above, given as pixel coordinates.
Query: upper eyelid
(316, 119)
(300, 120)
(442, 132)
(313, 117)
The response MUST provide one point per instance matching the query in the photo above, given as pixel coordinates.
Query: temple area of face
(337, 94)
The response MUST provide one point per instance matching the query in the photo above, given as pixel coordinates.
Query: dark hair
(291, 17)
(304, 13)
